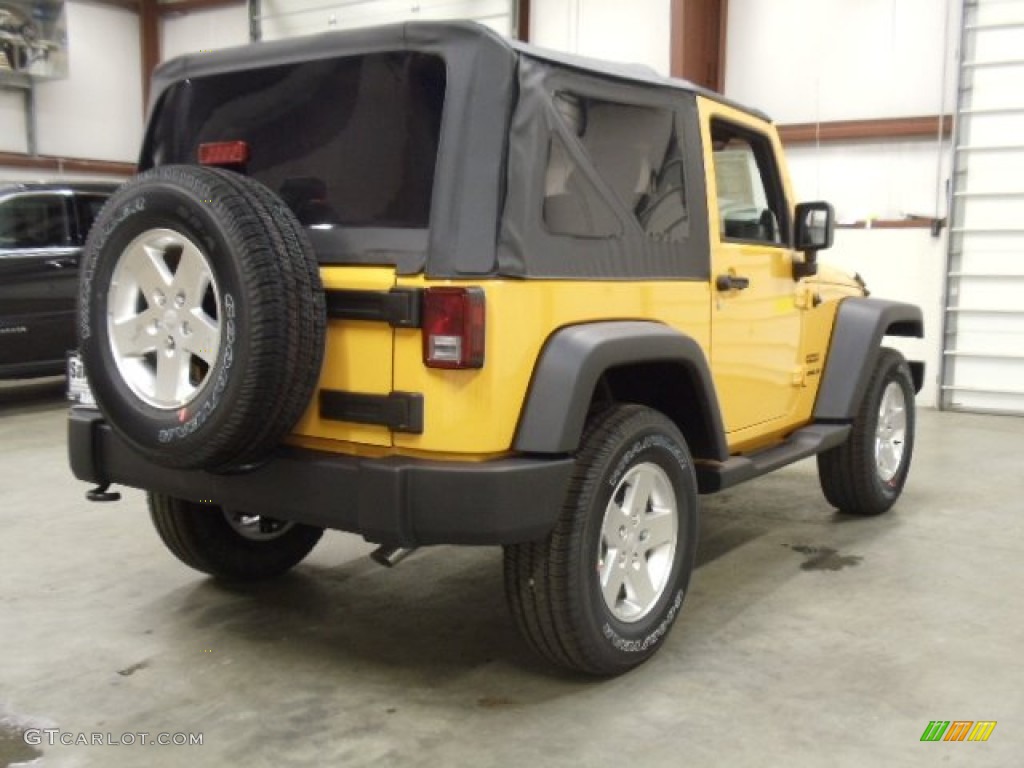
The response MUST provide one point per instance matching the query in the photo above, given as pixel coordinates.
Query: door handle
(731, 282)
(61, 263)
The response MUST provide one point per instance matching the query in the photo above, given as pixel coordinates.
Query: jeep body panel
(396, 500)
(705, 319)
(357, 359)
(573, 363)
(469, 412)
(859, 326)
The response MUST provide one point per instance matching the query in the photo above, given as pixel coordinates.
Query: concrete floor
(808, 639)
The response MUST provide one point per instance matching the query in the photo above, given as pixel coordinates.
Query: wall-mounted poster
(33, 38)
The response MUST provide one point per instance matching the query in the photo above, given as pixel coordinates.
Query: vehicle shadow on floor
(33, 395)
(438, 614)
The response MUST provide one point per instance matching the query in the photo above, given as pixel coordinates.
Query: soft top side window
(634, 150)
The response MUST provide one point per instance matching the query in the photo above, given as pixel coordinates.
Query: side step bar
(811, 440)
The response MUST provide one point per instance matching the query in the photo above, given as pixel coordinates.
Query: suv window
(88, 208)
(346, 142)
(33, 221)
(750, 201)
(636, 153)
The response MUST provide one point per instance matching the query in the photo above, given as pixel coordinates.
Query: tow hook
(389, 556)
(100, 493)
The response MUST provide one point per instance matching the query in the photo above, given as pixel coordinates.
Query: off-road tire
(271, 317)
(850, 474)
(201, 537)
(553, 586)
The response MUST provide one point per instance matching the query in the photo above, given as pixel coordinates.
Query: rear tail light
(454, 320)
(224, 153)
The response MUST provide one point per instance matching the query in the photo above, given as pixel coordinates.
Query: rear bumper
(397, 500)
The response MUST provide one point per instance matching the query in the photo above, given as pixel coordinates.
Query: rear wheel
(866, 474)
(600, 593)
(230, 544)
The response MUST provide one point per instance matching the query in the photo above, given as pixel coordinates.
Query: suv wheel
(201, 317)
(865, 475)
(229, 544)
(602, 590)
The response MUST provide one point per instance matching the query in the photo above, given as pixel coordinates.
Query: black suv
(42, 230)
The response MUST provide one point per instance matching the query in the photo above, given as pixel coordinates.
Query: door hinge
(806, 298)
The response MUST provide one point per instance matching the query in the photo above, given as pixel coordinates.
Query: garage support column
(149, 37)
(31, 134)
(255, 8)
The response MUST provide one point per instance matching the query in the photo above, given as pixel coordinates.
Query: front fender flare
(856, 338)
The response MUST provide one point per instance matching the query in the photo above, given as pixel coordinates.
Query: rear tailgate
(358, 359)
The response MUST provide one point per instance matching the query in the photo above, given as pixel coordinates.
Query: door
(755, 324)
(38, 282)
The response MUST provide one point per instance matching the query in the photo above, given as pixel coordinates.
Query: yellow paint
(767, 344)
(476, 411)
(357, 358)
(764, 336)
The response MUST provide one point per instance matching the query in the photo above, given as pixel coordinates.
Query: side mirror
(815, 228)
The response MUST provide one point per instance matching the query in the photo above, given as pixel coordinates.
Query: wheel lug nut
(622, 532)
(159, 298)
(185, 329)
(179, 299)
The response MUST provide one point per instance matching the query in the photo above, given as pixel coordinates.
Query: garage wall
(12, 121)
(203, 30)
(871, 59)
(290, 18)
(634, 32)
(96, 112)
(838, 60)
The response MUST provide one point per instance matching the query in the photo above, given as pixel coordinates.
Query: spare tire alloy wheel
(201, 317)
(164, 328)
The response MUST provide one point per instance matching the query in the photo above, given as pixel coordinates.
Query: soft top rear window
(346, 142)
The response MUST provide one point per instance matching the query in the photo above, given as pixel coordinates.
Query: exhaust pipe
(389, 556)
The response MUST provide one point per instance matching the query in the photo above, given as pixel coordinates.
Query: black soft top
(491, 156)
(413, 35)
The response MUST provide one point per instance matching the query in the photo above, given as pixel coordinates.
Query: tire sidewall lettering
(212, 400)
(161, 207)
(641, 638)
(97, 240)
(620, 643)
(645, 443)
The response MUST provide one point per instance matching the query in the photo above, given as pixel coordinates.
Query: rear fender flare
(571, 365)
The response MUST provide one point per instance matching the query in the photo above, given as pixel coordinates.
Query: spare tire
(201, 317)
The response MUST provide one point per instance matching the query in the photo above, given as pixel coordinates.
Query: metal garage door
(276, 19)
(983, 355)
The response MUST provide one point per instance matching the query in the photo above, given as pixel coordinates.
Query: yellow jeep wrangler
(431, 286)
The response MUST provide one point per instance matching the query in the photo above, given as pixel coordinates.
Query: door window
(751, 206)
(33, 221)
(88, 209)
